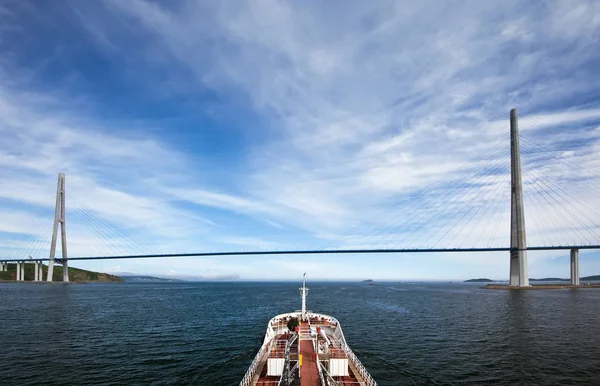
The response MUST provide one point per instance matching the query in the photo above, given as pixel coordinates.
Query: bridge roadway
(312, 252)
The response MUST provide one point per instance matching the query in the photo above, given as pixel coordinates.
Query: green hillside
(591, 278)
(75, 274)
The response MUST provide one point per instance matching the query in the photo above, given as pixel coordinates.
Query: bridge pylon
(59, 218)
(518, 238)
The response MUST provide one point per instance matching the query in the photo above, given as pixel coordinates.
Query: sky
(193, 126)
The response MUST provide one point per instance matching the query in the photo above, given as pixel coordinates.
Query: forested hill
(75, 274)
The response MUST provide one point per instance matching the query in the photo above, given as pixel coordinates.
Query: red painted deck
(309, 373)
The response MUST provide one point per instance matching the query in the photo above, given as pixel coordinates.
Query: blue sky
(203, 126)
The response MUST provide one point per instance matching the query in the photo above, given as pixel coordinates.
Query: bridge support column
(36, 271)
(59, 218)
(41, 272)
(18, 272)
(23, 271)
(574, 266)
(2, 266)
(518, 240)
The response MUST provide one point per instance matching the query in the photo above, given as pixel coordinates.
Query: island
(367, 281)
(480, 280)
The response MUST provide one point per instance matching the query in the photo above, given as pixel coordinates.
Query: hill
(76, 275)
(586, 278)
(591, 278)
(480, 280)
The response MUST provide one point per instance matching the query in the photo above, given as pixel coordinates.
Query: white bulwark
(338, 367)
(275, 366)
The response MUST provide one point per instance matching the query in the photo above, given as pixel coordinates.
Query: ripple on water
(208, 333)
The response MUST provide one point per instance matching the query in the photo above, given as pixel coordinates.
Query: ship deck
(309, 371)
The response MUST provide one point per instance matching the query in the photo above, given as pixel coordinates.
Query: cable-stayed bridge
(480, 206)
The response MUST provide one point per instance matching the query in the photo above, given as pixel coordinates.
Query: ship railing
(330, 380)
(278, 348)
(246, 381)
(322, 372)
(285, 376)
(338, 334)
(290, 378)
(369, 381)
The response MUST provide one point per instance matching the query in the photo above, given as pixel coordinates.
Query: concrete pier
(23, 271)
(18, 278)
(574, 266)
(41, 271)
(35, 271)
(518, 240)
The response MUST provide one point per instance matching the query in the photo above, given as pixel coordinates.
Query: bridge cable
(480, 194)
(110, 233)
(556, 188)
(499, 218)
(557, 218)
(426, 214)
(413, 202)
(450, 207)
(565, 207)
(25, 240)
(501, 187)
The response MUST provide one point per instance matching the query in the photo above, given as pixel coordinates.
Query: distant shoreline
(540, 286)
(59, 282)
(545, 279)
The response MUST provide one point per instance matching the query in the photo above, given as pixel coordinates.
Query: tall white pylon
(518, 239)
(59, 218)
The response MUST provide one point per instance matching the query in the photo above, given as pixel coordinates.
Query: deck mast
(303, 291)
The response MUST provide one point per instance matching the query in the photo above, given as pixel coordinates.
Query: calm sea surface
(208, 333)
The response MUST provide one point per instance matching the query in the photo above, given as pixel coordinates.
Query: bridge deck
(313, 252)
